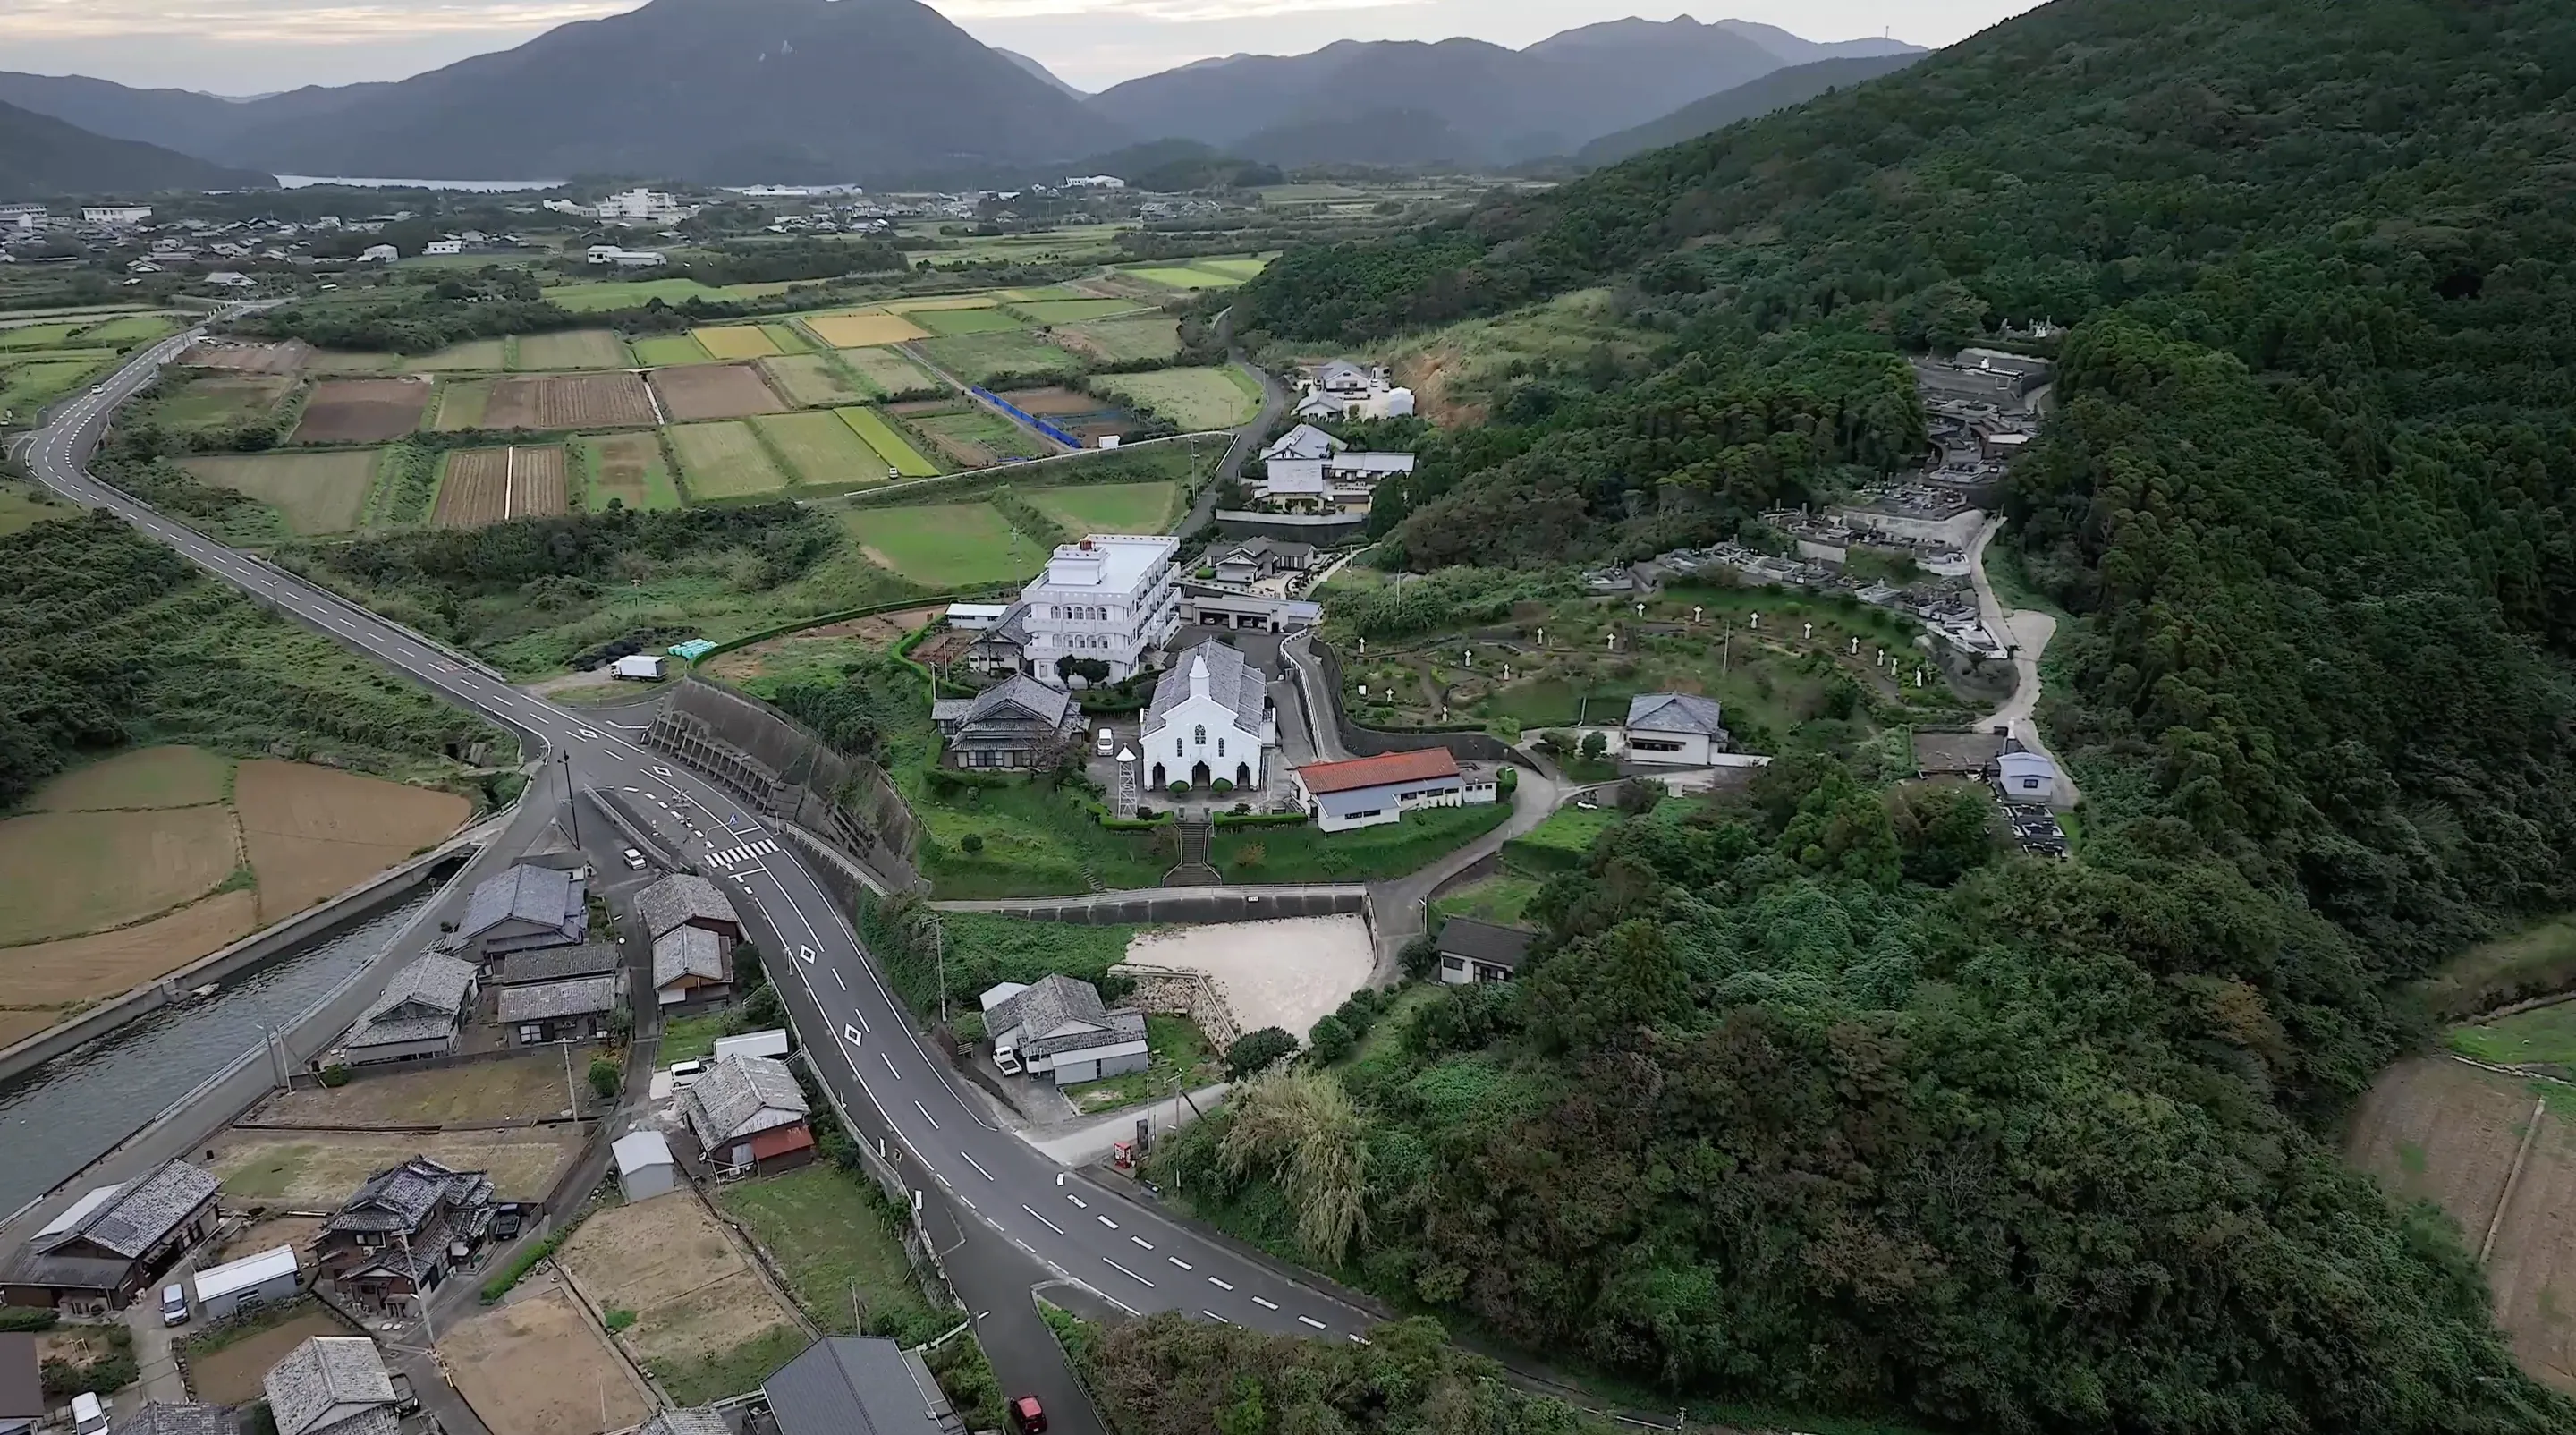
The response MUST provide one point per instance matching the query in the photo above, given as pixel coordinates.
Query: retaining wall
(1173, 991)
(1188, 905)
(1470, 746)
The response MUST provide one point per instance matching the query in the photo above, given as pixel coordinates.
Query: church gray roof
(1676, 712)
(1231, 681)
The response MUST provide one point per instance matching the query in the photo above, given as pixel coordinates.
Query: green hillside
(1790, 1109)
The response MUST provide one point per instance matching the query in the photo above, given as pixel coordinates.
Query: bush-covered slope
(2049, 1148)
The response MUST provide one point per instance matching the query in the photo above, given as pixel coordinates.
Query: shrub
(764, 1009)
(1595, 745)
(1252, 855)
(25, 1319)
(335, 1076)
(1242, 809)
(968, 1028)
(1638, 795)
(1558, 742)
(1221, 786)
(1144, 813)
(1180, 787)
(971, 843)
(617, 1320)
(1257, 1051)
(1508, 780)
(605, 1077)
(1420, 957)
(1331, 1040)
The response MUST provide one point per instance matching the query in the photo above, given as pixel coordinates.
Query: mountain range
(1775, 91)
(887, 91)
(42, 157)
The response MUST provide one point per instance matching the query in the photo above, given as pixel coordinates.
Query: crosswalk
(736, 856)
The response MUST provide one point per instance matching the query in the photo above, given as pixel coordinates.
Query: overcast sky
(244, 47)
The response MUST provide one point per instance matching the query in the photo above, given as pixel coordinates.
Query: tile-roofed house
(1370, 791)
(1058, 1026)
(527, 906)
(1003, 647)
(1017, 723)
(1209, 719)
(418, 1014)
(703, 1421)
(577, 1010)
(1675, 730)
(685, 899)
(854, 1385)
(555, 964)
(1474, 951)
(1304, 441)
(332, 1385)
(154, 1418)
(420, 1204)
(691, 964)
(743, 1099)
(110, 1243)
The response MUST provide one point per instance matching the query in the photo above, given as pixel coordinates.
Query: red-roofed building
(1368, 791)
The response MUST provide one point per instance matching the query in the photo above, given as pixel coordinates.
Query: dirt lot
(313, 832)
(1290, 973)
(138, 777)
(537, 1366)
(364, 410)
(715, 391)
(316, 1170)
(876, 633)
(569, 401)
(17, 1026)
(66, 873)
(2432, 1128)
(233, 1375)
(695, 1294)
(268, 1235)
(1055, 400)
(243, 358)
(82, 969)
(493, 485)
(487, 1091)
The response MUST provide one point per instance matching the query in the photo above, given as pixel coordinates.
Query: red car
(1026, 1417)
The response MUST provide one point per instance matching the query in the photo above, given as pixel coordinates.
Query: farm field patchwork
(244, 357)
(1075, 311)
(946, 545)
(461, 405)
(891, 371)
(574, 349)
(730, 391)
(219, 399)
(940, 302)
(313, 831)
(318, 493)
(864, 330)
(787, 338)
(1172, 277)
(568, 401)
(735, 341)
(889, 443)
(724, 460)
(1121, 341)
(66, 873)
(363, 410)
(822, 449)
(815, 381)
(137, 778)
(979, 437)
(480, 356)
(979, 358)
(628, 467)
(493, 485)
(1110, 507)
(952, 322)
(636, 293)
(346, 361)
(1196, 399)
(663, 350)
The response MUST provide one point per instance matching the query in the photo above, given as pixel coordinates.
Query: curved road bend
(2027, 632)
(863, 1042)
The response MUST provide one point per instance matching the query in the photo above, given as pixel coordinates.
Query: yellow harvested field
(17, 1026)
(538, 1366)
(865, 331)
(79, 969)
(66, 873)
(312, 832)
(694, 1293)
(315, 1170)
(140, 777)
(735, 341)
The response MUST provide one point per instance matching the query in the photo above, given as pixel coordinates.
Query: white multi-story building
(117, 216)
(649, 206)
(1111, 597)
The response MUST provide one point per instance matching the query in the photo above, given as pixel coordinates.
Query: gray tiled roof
(1304, 441)
(152, 1418)
(422, 1002)
(553, 964)
(402, 1197)
(1676, 712)
(707, 1421)
(1059, 1013)
(140, 1213)
(743, 1096)
(324, 1376)
(548, 1000)
(1486, 942)
(1231, 681)
(682, 898)
(846, 1385)
(527, 893)
(688, 952)
(1044, 704)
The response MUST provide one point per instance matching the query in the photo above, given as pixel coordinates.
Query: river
(61, 1116)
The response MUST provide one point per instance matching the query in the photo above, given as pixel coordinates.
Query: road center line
(926, 1116)
(1220, 1285)
(1104, 1220)
(1043, 1221)
(1131, 1275)
(978, 1165)
(1265, 1304)
(1310, 1320)
(1184, 1265)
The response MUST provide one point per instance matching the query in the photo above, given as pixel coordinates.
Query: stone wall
(1169, 991)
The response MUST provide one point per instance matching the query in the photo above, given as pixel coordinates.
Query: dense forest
(1785, 1109)
(108, 638)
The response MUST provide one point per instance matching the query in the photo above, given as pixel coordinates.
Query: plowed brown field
(363, 410)
(714, 391)
(569, 401)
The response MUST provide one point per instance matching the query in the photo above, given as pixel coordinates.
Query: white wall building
(379, 254)
(1675, 730)
(648, 206)
(1372, 791)
(1111, 597)
(1210, 719)
(117, 216)
(610, 254)
(443, 246)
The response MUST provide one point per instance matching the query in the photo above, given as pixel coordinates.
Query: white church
(1210, 719)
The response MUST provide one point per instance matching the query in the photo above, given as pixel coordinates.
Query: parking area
(1289, 974)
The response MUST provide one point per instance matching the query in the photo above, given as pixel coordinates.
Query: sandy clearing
(1290, 973)
(537, 1366)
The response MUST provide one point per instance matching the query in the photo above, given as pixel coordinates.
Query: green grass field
(460, 404)
(628, 467)
(788, 338)
(666, 350)
(1563, 841)
(735, 341)
(815, 381)
(832, 1243)
(987, 430)
(1075, 311)
(692, 1038)
(978, 358)
(576, 349)
(889, 443)
(1110, 507)
(327, 363)
(482, 356)
(945, 545)
(317, 492)
(724, 460)
(22, 507)
(636, 293)
(1123, 341)
(949, 323)
(1240, 268)
(1193, 398)
(891, 372)
(822, 448)
(35, 336)
(1178, 278)
(219, 401)
(2546, 1037)
(28, 387)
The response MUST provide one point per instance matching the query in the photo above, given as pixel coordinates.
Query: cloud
(289, 22)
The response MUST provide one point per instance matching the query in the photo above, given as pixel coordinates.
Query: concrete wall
(1195, 905)
(1322, 530)
(1369, 742)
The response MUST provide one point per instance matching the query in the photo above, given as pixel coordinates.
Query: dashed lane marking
(1131, 1275)
(1043, 1221)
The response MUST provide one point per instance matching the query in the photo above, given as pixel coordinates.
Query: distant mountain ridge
(1775, 91)
(42, 157)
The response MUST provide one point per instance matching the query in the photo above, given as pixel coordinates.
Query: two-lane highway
(862, 1041)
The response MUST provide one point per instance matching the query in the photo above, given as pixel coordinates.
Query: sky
(246, 47)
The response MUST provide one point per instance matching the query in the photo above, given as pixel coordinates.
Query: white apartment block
(647, 205)
(117, 216)
(1112, 597)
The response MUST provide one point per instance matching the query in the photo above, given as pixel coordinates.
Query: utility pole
(939, 955)
(417, 1293)
(572, 1098)
(571, 804)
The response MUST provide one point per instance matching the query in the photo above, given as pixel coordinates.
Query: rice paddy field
(979, 358)
(735, 341)
(822, 449)
(627, 467)
(317, 493)
(889, 443)
(864, 330)
(815, 381)
(576, 349)
(671, 349)
(1110, 507)
(724, 460)
(952, 322)
(1196, 399)
(890, 372)
(945, 545)
(481, 356)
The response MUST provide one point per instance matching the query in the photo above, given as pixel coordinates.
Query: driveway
(2026, 633)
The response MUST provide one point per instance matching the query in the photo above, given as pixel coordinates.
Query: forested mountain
(1775, 91)
(1798, 1097)
(1501, 105)
(1040, 70)
(1798, 50)
(42, 157)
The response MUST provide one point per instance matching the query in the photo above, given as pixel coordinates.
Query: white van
(685, 1074)
(1108, 742)
(89, 1413)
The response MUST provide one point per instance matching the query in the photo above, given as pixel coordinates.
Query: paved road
(864, 1043)
(2026, 631)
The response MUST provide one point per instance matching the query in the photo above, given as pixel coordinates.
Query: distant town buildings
(1095, 181)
